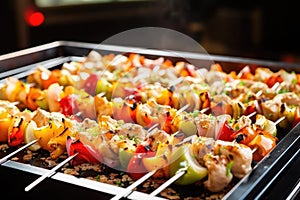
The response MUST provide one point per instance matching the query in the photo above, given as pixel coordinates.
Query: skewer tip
(279, 120)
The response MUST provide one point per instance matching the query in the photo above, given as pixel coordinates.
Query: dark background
(261, 29)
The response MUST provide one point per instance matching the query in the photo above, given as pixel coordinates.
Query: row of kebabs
(131, 148)
(140, 79)
(139, 93)
(139, 89)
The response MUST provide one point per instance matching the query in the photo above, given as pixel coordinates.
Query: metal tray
(256, 185)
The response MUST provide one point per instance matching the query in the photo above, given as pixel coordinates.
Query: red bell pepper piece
(250, 109)
(133, 93)
(85, 155)
(135, 166)
(274, 79)
(16, 131)
(225, 133)
(68, 105)
(90, 84)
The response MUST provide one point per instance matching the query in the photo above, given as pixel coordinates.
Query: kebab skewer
(146, 176)
(49, 173)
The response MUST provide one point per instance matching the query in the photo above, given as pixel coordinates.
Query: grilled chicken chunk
(218, 174)
(239, 154)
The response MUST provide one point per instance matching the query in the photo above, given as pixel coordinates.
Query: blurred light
(288, 58)
(33, 17)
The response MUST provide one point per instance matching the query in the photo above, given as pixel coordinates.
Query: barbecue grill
(277, 175)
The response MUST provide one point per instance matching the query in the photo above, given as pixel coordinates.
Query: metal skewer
(49, 173)
(178, 174)
(251, 114)
(182, 108)
(279, 120)
(152, 128)
(130, 188)
(186, 106)
(274, 87)
(4, 159)
(204, 110)
(15, 103)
